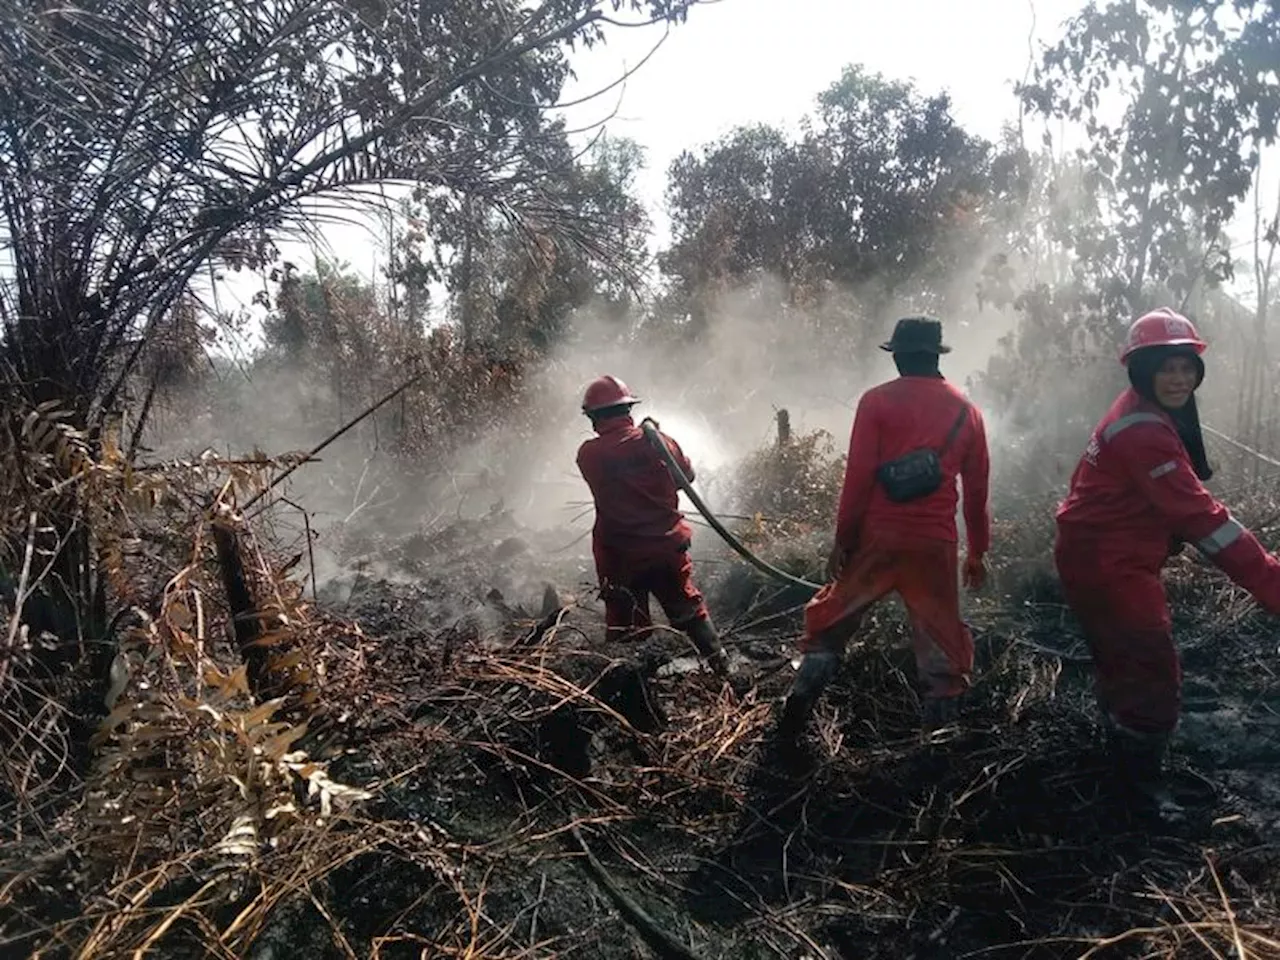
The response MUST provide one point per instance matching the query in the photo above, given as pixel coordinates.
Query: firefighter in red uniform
(896, 528)
(641, 539)
(1136, 496)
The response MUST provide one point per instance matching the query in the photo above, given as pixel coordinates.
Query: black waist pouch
(918, 473)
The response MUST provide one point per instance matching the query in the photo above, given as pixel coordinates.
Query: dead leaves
(188, 768)
(188, 764)
(51, 440)
(218, 748)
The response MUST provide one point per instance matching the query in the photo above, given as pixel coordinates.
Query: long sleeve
(975, 473)
(680, 457)
(587, 467)
(859, 475)
(1158, 464)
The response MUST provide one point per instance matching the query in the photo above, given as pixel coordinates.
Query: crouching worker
(1136, 496)
(896, 528)
(641, 539)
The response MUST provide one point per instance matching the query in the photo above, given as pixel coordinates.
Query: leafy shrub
(793, 487)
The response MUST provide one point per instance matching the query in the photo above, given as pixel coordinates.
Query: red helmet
(606, 392)
(1161, 328)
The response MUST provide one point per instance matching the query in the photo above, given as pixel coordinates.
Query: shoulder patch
(1092, 450)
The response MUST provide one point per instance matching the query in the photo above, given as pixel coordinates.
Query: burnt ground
(511, 743)
(535, 794)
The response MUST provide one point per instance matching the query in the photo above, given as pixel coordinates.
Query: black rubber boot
(816, 671)
(1137, 760)
(794, 717)
(704, 636)
(938, 712)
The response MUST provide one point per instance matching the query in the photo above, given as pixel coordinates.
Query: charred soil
(529, 743)
(533, 792)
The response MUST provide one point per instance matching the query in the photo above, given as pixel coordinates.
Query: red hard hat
(605, 392)
(1161, 328)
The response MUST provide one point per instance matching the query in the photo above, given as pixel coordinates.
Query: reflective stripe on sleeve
(1223, 537)
(1167, 467)
(1128, 420)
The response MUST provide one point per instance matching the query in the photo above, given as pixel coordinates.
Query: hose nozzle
(650, 428)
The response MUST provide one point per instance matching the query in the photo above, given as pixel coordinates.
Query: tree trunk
(784, 428)
(244, 613)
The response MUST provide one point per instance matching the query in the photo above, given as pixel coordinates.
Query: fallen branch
(648, 928)
(19, 599)
(334, 436)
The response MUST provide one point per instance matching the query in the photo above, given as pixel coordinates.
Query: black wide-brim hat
(916, 335)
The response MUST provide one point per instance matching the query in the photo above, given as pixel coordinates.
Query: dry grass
(456, 791)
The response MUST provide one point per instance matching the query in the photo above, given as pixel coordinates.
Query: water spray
(651, 434)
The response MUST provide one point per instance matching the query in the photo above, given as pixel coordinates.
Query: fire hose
(655, 438)
(677, 474)
(651, 433)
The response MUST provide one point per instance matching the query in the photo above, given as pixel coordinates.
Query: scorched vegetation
(300, 650)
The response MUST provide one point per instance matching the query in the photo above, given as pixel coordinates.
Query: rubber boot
(704, 636)
(938, 712)
(816, 671)
(1138, 761)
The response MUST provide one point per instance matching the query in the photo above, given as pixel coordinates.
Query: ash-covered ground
(540, 794)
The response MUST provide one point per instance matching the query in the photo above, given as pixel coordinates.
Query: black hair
(1143, 366)
(609, 413)
(917, 363)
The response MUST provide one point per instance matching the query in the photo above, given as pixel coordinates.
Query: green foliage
(338, 342)
(1175, 102)
(582, 238)
(1198, 92)
(792, 487)
(140, 143)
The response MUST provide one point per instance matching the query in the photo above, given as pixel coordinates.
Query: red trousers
(1126, 621)
(925, 574)
(627, 583)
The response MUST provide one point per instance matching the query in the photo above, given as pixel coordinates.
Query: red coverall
(909, 547)
(1133, 494)
(640, 539)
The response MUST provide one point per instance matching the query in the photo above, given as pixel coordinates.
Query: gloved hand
(975, 572)
(836, 560)
(655, 440)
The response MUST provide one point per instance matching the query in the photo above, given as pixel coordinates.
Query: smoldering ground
(717, 394)
(454, 704)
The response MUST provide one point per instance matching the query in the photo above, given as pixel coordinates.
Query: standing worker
(1136, 496)
(640, 539)
(896, 528)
